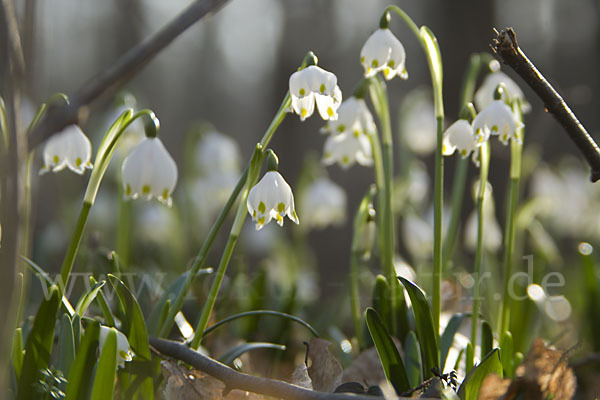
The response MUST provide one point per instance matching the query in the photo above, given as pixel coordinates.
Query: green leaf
(469, 357)
(412, 358)
(86, 299)
(388, 353)
(43, 274)
(135, 325)
(17, 351)
(237, 351)
(104, 381)
(506, 354)
(66, 345)
(381, 299)
(428, 338)
(258, 313)
(39, 344)
(487, 338)
(469, 389)
(79, 382)
(448, 336)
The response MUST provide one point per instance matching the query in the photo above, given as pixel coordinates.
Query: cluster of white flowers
(148, 171)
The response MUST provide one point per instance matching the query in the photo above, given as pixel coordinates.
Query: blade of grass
(469, 389)
(104, 381)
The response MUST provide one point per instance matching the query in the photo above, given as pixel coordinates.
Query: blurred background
(229, 73)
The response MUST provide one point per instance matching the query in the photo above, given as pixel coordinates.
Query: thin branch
(237, 380)
(505, 46)
(121, 71)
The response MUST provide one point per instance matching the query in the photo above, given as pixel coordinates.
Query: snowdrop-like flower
(383, 52)
(124, 352)
(149, 170)
(218, 154)
(314, 84)
(459, 136)
(353, 116)
(346, 149)
(496, 119)
(485, 94)
(418, 125)
(68, 148)
(323, 204)
(271, 198)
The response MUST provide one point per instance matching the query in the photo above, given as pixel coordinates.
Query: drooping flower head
(353, 116)
(68, 148)
(270, 198)
(323, 204)
(497, 119)
(383, 52)
(347, 149)
(485, 94)
(124, 352)
(314, 84)
(149, 171)
(459, 136)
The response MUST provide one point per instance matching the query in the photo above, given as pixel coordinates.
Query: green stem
(481, 194)
(214, 230)
(434, 61)
(67, 265)
(509, 229)
(380, 101)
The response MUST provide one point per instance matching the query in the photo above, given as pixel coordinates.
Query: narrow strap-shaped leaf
(232, 354)
(135, 324)
(388, 353)
(86, 299)
(428, 337)
(66, 345)
(381, 299)
(448, 336)
(17, 352)
(104, 381)
(487, 338)
(79, 381)
(39, 344)
(469, 389)
(262, 312)
(43, 274)
(506, 354)
(412, 358)
(154, 320)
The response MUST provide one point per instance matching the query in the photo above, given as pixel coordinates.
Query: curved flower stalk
(346, 149)
(323, 204)
(270, 198)
(497, 119)
(353, 116)
(124, 352)
(150, 171)
(485, 94)
(383, 52)
(314, 84)
(68, 148)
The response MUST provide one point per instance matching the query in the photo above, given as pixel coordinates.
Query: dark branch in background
(505, 46)
(121, 71)
(237, 380)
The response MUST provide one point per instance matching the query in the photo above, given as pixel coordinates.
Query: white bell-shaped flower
(353, 116)
(485, 94)
(270, 198)
(68, 148)
(383, 52)
(314, 84)
(124, 352)
(347, 149)
(149, 170)
(323, 204)
(496, 119)
(459, 136)
(217, 154)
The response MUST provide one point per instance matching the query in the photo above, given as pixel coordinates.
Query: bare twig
(505, 46)
(120, 72)
(237, 380)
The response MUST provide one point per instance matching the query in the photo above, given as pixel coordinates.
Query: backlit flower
(314, 84)
(149, 171)
(485, 94)
(353, 116)
(383, 52)
(323, 204)
(496, 119)
(346, 149)
(459, 136)
(271, 198)
(68, 148)
(124, 352)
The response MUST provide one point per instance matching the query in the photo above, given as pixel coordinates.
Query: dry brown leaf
(300, 377)
(366, 368)
(325, 371)
(183, 383)
(493, 387)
